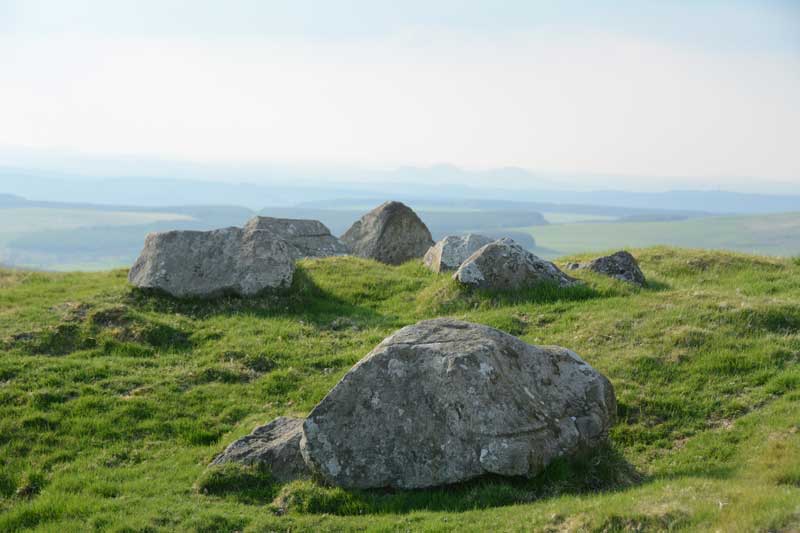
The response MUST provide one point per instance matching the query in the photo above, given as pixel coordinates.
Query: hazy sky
(696, 88)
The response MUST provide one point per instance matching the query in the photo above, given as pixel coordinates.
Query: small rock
(620, 265)
(342, 323)
(276, 445)
(505, 265)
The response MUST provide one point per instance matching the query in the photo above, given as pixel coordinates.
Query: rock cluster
(259, 257)
(439, 402)
(620, 265)
(242, 261)
(505, 265)
(391, 233)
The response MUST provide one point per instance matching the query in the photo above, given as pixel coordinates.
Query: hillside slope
(113, 402)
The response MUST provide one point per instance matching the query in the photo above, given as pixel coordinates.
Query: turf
(112, 401)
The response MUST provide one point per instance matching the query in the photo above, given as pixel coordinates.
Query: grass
(777, 235)
(113, 401)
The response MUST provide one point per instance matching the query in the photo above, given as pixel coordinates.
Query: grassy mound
(113, 401)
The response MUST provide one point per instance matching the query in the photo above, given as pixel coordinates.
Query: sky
(701, 92)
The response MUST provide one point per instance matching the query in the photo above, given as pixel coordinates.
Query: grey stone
(620, 265)
(450, 252)
(391, 233)
(443, 401)
(505, 265)
(306, 238)
(276, 445)
(205, 264)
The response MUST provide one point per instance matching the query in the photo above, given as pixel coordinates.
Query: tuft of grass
(30, 484)
(251, 483)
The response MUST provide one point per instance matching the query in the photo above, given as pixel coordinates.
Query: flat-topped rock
(391, 233)
(505, 265)
(276, 445)
(450, 252)
(620, 265)
(444, 401)
(306, 238)
(206, 264)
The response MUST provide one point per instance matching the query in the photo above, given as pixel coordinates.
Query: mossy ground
(112, 401)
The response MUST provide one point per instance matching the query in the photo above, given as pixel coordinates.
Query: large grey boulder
(443, 401)
(620, 265)
(450, 252)
(276, 445)
(205, 264)
(505, 265)
(391, 233)
(306, 238)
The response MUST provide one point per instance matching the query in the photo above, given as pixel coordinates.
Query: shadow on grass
(543, 293)
(605, 470)
(251, 484)
(719, 472)
(448, 296)
(304, 299)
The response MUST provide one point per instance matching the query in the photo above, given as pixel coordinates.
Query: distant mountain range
(442, 185)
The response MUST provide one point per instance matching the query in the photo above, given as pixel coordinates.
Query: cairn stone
(391, 233)
(207, 264)
(306, 238)
(450, 252)
(620, 265)
(444, 401)
(505, 265)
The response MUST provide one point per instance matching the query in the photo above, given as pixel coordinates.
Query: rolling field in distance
(114, 401)
(777, 235)
(96, 239)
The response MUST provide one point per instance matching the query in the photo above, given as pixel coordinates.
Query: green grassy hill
(112, 402)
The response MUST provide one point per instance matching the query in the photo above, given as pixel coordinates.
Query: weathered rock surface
(620, 265)
(306, 238)
(443, 401)
(450, 252)
(391, 233)
(276, 445)
(505, 265)
(205, 264)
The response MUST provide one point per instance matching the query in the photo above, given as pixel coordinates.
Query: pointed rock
(391, 233)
